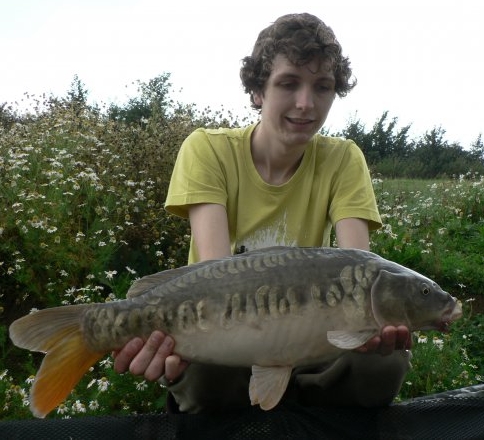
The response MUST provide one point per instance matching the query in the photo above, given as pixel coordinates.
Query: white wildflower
(141, 386)
(62, 409)
(93, 405)
(422, 339)
(106, 363)
(78, 407)
(103, 384)
(110, 274)
(439, 343)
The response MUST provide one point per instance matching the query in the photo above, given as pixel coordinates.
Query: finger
(174, 367)
(156, 366)
(370, 346)
(404, 338)
(123, 357)
(141, 361)
(388, 340)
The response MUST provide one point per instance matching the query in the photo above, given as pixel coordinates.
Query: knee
(377, 379)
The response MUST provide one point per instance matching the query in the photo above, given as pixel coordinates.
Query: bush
(82, 216)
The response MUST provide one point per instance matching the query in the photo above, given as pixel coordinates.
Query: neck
(275, 162)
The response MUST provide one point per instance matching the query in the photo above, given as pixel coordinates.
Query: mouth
(300, 121)
(450, 315)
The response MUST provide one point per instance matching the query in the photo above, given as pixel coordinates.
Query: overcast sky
(419, 59)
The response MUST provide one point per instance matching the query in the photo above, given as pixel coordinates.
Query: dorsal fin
(141, 286)
(148, 282)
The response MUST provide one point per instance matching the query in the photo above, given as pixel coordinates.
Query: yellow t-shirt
(331, 183)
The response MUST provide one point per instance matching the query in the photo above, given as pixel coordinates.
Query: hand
(391, 338)
(152, 358)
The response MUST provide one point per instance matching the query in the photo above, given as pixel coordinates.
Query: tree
(428, 151)
(355, 130)
(437, 158)
(77, 96)
(7, 116)
(387, 141)
(477, 149)
(384, 143)
(152, 101)
(77, 92)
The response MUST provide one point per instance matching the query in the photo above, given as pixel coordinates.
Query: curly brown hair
(301, 38)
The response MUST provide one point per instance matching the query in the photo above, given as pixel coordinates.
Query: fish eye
(425, 289)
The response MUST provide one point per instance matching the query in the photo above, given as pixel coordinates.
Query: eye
(324, 88)
(425, 289)
(290, 85)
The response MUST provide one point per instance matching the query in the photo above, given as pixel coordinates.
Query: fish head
(410, 299)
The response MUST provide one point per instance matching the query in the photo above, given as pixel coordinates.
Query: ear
(257, 97)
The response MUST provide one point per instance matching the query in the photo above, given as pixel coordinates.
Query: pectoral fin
(267, 385)
(350, 340)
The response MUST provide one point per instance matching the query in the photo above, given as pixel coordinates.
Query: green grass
(437, 229)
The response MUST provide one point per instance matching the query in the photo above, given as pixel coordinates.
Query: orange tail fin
(58, 333)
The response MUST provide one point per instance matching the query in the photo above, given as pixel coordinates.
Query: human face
(296, 100)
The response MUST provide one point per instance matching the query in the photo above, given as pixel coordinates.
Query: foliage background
(81, 216)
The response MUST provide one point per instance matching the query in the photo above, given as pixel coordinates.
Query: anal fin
(268, 385)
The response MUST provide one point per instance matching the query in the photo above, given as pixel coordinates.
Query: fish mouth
(450, 315)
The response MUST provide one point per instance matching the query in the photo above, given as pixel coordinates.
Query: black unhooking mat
(457, 414)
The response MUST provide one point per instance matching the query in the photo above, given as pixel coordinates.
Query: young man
(277, 182)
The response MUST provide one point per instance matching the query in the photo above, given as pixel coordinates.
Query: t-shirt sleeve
(198, 176)
(352, 194)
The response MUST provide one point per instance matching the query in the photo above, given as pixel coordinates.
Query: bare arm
(353, 233)
(210, 230)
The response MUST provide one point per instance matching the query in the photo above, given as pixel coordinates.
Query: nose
(305, 98)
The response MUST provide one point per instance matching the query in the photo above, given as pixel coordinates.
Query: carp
(272, 309)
